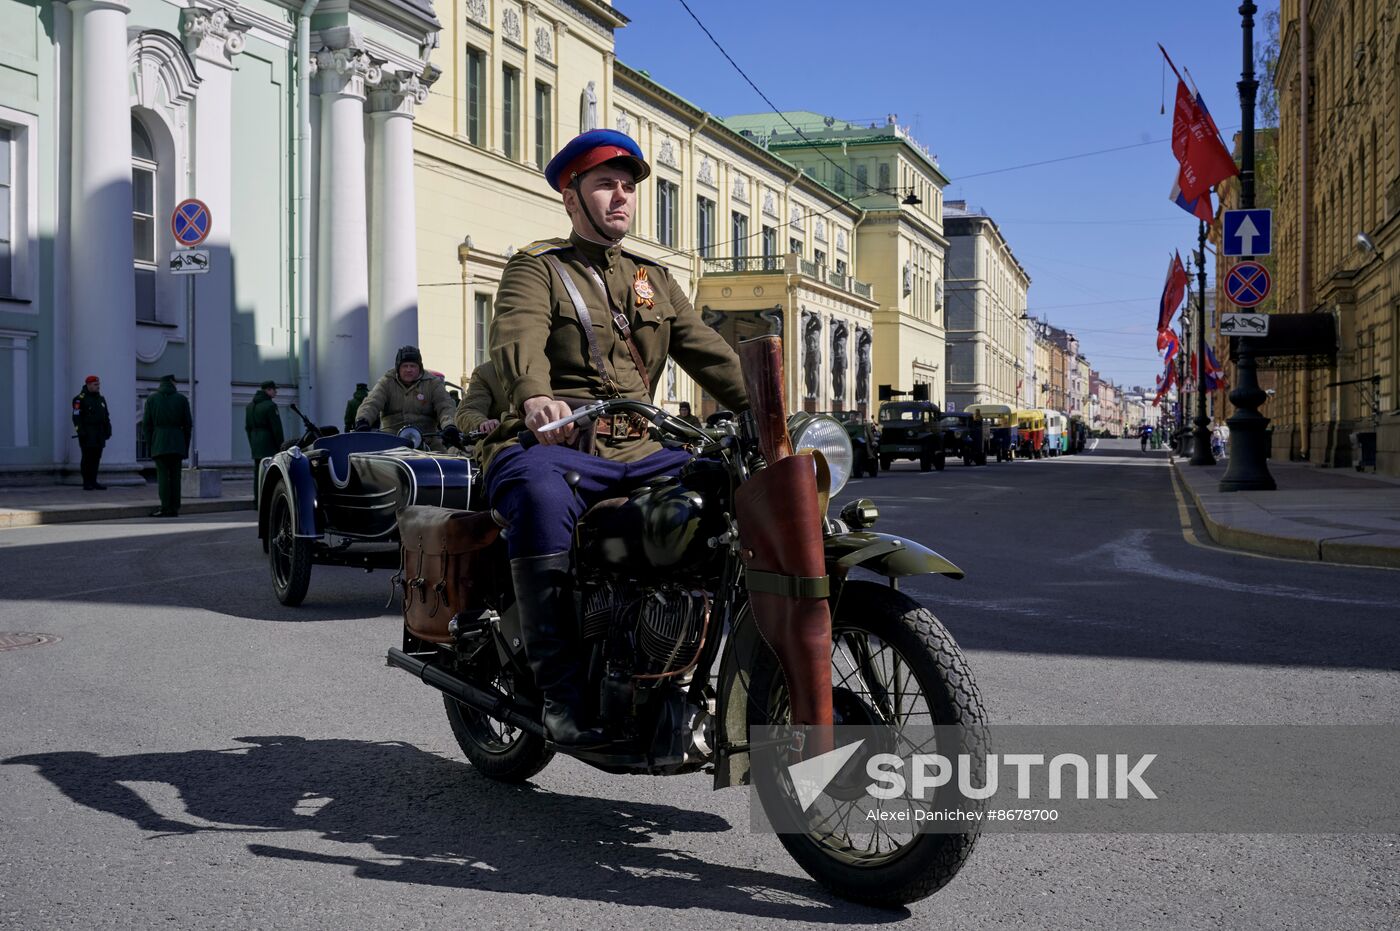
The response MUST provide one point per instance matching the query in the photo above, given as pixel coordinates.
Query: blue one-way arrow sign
(1249, 232)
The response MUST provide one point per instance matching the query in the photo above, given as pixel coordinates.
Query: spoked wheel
(498, 750)
(892, 664)
(288, 555)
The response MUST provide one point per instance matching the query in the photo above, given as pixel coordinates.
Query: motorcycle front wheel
(892, 663)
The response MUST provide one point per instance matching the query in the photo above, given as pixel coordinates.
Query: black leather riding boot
(543, 596)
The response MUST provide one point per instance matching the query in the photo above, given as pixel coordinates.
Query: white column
(213, 39)
(393, 274)
(342, 261)
(102, 282)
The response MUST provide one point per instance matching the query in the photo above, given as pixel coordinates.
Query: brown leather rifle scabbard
(780, 536)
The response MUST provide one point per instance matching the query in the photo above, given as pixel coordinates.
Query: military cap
(269, 384)
(591, 149)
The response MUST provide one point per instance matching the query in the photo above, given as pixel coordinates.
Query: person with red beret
(578, 320)
(94, 425)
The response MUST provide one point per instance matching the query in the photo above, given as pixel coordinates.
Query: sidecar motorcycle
(710, 604)
(333, 499)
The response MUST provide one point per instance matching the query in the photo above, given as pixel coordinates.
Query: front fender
(884, 554)
(292, 469)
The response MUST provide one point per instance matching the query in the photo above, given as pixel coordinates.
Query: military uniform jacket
(392, 405)
(352, 408)
(91, 419)
(263, 424)
(167, 422)
(485, 399)
(539, 347)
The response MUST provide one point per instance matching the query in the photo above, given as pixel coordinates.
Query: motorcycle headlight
(820, 432)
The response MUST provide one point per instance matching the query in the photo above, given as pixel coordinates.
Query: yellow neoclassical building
(762, 241)
(1337, 227)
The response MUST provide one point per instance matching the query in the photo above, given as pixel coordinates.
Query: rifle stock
(762, 362)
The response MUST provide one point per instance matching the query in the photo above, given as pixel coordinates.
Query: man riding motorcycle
(407, 396)
(577, 320)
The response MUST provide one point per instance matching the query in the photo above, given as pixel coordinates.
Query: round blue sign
(190, 222)
(1247, 284)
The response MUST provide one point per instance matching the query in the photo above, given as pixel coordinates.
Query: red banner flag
(1172, 293)
(1205, 161)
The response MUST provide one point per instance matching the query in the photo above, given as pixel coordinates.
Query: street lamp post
(1200, 452)
(1248, 469)
(1179, 431)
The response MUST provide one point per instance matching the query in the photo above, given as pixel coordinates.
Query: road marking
(1130, 553)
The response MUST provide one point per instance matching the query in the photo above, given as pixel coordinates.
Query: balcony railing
(791, 264)
(746, 263)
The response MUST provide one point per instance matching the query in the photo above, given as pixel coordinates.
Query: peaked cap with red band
(591, 149)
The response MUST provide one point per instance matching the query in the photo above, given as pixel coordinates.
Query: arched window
(143, 218)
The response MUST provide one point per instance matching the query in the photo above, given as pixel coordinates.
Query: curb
(1339, 552)
(75, 513)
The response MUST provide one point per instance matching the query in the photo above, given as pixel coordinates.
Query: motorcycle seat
(339, 447)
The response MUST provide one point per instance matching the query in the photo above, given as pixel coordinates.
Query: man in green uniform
(168, 425)
(94, 426)
(484, 403)
(577, 320)
(352, 406)
(407, 396)
(263, 424)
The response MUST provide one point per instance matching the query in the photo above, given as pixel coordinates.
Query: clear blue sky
(990, 85)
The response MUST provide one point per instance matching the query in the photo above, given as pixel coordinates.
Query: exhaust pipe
(488, 702)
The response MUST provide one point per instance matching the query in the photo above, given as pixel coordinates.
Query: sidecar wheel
(288, 555)
(497, 751)
(898, 641)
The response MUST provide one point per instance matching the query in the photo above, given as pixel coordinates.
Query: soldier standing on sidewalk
(168, 426)
(353, 405)
(94, 426)
(263, 424)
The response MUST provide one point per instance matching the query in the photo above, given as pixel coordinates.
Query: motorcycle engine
(664, 625)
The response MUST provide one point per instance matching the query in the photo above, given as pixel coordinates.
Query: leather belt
(621, 427)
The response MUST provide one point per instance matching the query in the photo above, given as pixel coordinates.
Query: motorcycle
(710, 603)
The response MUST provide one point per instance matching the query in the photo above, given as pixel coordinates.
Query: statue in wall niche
(812, 351)
(670, 379)
(774, 316)
(838, 360)
(588, 108)
(908, 278)
(863, 342)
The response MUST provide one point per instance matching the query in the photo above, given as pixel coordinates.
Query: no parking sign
(190, 222)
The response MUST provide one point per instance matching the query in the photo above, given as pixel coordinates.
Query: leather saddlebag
(443, 569)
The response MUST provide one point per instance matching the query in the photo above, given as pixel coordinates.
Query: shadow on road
(219, 569)
(432, 821)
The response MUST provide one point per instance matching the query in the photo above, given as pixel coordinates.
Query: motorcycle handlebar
(656, 415)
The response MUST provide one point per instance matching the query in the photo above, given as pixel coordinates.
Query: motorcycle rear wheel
(497, 750)
(898, 630)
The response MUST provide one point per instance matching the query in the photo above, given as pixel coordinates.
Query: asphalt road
(189, 754)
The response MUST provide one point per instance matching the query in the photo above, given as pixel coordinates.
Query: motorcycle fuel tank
(657, 527)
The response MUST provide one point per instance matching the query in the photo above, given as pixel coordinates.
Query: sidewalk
(30, 505)
(1331, 515)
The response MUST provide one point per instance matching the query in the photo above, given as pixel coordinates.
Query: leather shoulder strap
(619, 318)
(585, 320)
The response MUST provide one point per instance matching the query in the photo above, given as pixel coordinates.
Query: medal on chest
(420, 397)
(646, 296)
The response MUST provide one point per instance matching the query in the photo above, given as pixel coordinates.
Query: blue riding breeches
(526, 487)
